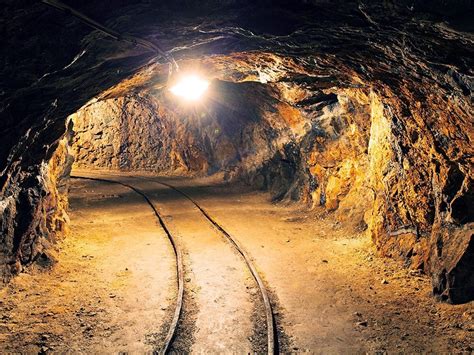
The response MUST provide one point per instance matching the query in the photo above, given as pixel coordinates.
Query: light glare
(190, 88)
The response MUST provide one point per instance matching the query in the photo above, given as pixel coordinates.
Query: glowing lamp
(190, 87)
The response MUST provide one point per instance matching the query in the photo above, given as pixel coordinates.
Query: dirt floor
(334, 293)
(111, 290)
(217, 281)
(113, 287)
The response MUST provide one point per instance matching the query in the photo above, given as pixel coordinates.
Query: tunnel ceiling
(383, 92)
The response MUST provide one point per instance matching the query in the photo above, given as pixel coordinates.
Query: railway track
(271, 333)
(272, 339)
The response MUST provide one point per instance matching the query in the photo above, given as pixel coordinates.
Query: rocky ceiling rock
(384, 90)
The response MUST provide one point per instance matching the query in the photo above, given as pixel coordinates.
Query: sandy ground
(332, 293)
(111, 290)
(217, 279)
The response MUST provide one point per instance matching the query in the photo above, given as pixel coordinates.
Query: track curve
(272, 338)
(178, 254)
(272, 341)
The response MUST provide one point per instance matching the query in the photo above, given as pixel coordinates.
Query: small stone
(384, 282)
(362, 324)
(324, 261)
(187, 279)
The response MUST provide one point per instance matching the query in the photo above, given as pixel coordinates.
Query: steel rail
(272, 341)
(178, 255)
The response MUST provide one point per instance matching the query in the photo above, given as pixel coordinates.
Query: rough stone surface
(43, 217)
(370, 105)
(149, 132)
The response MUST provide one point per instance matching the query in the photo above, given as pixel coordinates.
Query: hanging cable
(112, 33)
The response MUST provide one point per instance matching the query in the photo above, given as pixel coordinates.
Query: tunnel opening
(336, 149)
(272, 134)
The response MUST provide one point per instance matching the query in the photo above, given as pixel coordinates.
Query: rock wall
(239, 129)
(374, 162)
(29, 236)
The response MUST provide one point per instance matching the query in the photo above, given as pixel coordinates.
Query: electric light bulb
(190, 87)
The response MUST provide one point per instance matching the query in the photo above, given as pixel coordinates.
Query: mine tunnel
(237, 176)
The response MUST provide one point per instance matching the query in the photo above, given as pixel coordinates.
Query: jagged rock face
(154, 132)
(42, 219)
(365, 110)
